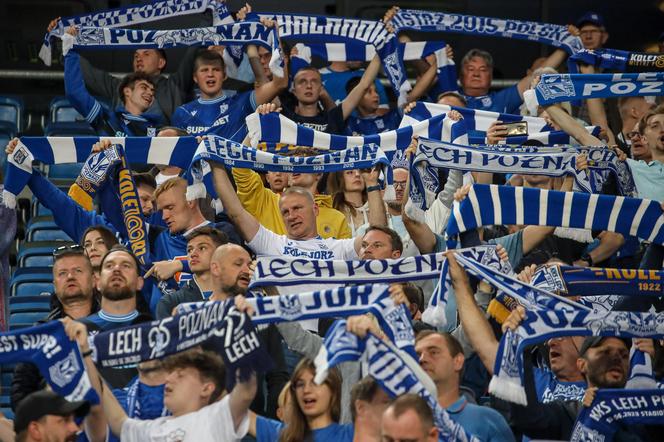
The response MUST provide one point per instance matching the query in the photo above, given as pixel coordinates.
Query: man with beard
(201, 244)
(46, 416)
(119, 283)
(73, 282)
(603, 361)
(231, 274)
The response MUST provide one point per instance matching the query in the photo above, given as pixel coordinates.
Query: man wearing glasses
(592, 31)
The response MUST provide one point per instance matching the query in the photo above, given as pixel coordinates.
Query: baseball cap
(590, 17)
(594, 341)
(45, 402)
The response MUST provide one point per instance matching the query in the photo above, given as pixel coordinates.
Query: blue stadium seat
(25, 304)
(31, 281)
(64, 171)
(11, 111)
(31, 288)
(26, 319)
(38, 253)
(64, 120)
(45, 229)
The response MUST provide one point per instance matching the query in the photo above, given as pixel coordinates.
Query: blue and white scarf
(541, 325)
(621, 61)
(136, 14)
(395, 371)
(276, 128)
(615, 406)
(236, 34)
(285, 271)
(641, 375)
(55, 355)
(172, 151)
(552, 138)
(322, 29)
(555, 88)
(496, 205)
(428, 21)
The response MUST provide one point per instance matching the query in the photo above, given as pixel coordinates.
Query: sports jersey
(374, 125)
(551, 389)
(268, 430)
(331, 122)
(212, 423)
(111, 122)
(506, 101)
(223, 116)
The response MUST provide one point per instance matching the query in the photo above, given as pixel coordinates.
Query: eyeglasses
(66, 249)
(590, 32)
(633, 134)
(399, 184)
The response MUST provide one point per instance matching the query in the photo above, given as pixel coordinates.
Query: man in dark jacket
(73, 284)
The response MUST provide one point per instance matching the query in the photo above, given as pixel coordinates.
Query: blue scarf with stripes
(617, 60)
(429, 21)
(134, 15)
(495, 205)
(394, 370)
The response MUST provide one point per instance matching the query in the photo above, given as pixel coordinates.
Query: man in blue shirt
(215, 113)
(441, 357)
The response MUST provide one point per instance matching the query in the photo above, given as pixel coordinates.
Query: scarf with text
(394, 370)
(235, 34)
(172, 151)
(496, 205)
(93, 175)
(322, 29)
(55, 355)
(428, 21)
(357, 51)
(551, 138)
(231, 329)
(136, 14)
(541, 325)
(616, 407)
(621, 61)
(555, 88)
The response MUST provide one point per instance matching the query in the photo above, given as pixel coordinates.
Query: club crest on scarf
(96, 166)
(556, 86)
(64, 370)
(584, 434)
(290, 306)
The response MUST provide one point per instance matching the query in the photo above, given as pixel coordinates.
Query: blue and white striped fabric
(322, 29)
(617, 60)
(136, 14)
(429, 21)
(556, 88)
(641, 375)
(173, 151)
(488, 205)
(276, 128)
(546, 138)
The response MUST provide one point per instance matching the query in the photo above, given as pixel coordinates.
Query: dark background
(632, 25)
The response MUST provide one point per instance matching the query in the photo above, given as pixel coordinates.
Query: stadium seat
(67, 171)
(26, 319)
(7, 132)
(31, 288)
(38, 253)
(30, 281)
(44, 229)
(25, 304)
(64, 120)
(11, 111)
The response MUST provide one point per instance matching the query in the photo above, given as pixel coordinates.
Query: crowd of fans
(205, 250)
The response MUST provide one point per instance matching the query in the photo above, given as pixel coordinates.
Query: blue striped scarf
(136, 14)
(495, 205)
(617, 60)
(322, 29)
(55, 355)
(556, 88)
(428, 21)
(615, 407)
(394, 370)
(173, 151)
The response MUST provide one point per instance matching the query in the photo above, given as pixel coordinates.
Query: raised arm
(240, 399)
(351, 101)
(572, 127)
(75, 89)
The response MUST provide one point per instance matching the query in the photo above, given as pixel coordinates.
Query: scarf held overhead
(136, 14)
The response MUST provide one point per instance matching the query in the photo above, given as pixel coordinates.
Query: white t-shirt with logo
(268, 243)
(212, 423)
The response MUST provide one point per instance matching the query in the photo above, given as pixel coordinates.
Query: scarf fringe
(508, 390)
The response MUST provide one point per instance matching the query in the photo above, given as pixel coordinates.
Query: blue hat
(590, 17)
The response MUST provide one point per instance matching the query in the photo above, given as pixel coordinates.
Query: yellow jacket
(263, 204)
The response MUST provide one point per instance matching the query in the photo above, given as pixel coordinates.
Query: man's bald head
(230, 269)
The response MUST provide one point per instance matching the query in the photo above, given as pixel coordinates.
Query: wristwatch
(373, 188)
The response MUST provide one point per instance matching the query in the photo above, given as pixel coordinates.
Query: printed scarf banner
(434, 314)
(240, 33)
(172, 151)
(488, 205)
(276, 128)
(641, 374)
(322, 29)
(93, 175)
(541, 325)
(55, 355)
(551, 138)
(428, 21)
(621, 61)
(394, 370)
(594, 281)
(556, 88)
(136, 14)
(613, 408)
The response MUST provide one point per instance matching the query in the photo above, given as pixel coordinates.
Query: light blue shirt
(483, 422)
(649, 178)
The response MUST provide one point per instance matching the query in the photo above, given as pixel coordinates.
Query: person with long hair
(311, 412)
(351, 190)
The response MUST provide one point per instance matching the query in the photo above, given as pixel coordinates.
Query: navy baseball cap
(594, 341)
(592, 18)
(44, 402)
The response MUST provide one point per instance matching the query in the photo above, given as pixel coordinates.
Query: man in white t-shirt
(193, 394)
